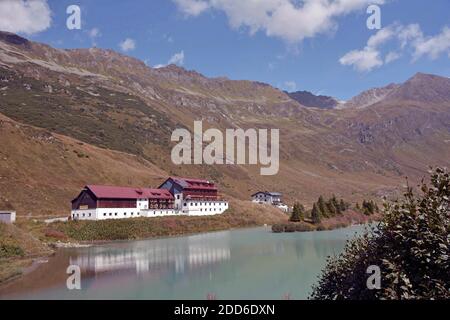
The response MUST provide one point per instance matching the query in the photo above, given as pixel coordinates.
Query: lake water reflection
(239, 264)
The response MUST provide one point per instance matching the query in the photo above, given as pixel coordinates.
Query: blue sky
(324, 49)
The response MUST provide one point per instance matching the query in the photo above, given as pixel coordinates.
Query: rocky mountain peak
(311, 100)
(14, 39)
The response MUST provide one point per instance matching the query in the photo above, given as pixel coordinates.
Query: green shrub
(8, 250)
(278, 228)
(290, 227)
(411, 246)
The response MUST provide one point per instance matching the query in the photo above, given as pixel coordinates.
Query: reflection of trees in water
(178, 254)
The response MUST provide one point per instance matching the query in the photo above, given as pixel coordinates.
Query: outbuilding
(7, 216)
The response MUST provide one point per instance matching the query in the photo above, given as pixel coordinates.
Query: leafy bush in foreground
(8, 250)
(410, 246)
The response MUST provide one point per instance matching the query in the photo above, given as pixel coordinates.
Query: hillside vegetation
(74, 117)
(410, 246)
(17, 249)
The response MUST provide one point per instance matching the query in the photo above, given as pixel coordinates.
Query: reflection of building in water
(180, 254)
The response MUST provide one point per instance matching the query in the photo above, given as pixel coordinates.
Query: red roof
(189, 183)
(110, 192)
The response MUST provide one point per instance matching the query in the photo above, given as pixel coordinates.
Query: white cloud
(29, 17)
(409, 33)
(290, 86)
(127, 45)
(392, 56)
(177, 58)
(93, 34)
(290, 20)
(369, 57)
(381, 37)
(410, 36)
(362, 60)
(433, 47)
(192, 7)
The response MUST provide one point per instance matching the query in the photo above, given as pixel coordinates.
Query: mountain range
(92, 116)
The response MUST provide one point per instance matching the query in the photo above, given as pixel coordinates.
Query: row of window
(77, 215)
(195, 204)
(210, 209)
(115, 214)
(164, 212)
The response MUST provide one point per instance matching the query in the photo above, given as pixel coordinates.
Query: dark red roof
(111, 192)
(189, 183)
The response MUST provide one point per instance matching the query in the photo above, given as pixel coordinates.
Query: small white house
(7, 216)
(273, 198)
(270, 198)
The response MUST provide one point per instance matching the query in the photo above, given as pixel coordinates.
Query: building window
(132, 213)
(124, 213)
(178, 196)
(115, 214)
(138, 213)
(104, 214)
(110, 214)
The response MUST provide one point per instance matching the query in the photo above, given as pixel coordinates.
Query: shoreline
(39, 261)
(55, 245)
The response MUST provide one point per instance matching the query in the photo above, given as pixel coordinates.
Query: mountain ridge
(115, 103)
(311, 100)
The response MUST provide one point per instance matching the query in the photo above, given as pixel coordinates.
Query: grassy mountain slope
(111, 117)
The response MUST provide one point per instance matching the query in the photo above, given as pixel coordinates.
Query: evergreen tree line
(321, 209)
(368, 207)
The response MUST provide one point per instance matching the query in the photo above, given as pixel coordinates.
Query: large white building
(176, 196)
(195, 197)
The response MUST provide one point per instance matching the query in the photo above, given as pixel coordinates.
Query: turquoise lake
(239, 264)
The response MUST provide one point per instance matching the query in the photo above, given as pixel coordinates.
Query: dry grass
(17, 250)
(350, 217)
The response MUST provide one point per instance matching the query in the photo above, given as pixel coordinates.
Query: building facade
(271, 198)
(107, 202)
(176, 196)
(195, 197)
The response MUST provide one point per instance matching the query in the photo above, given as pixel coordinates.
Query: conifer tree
(315, 214)
(342, 205)
(296, 213)
(321, 206)
(331, 209)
